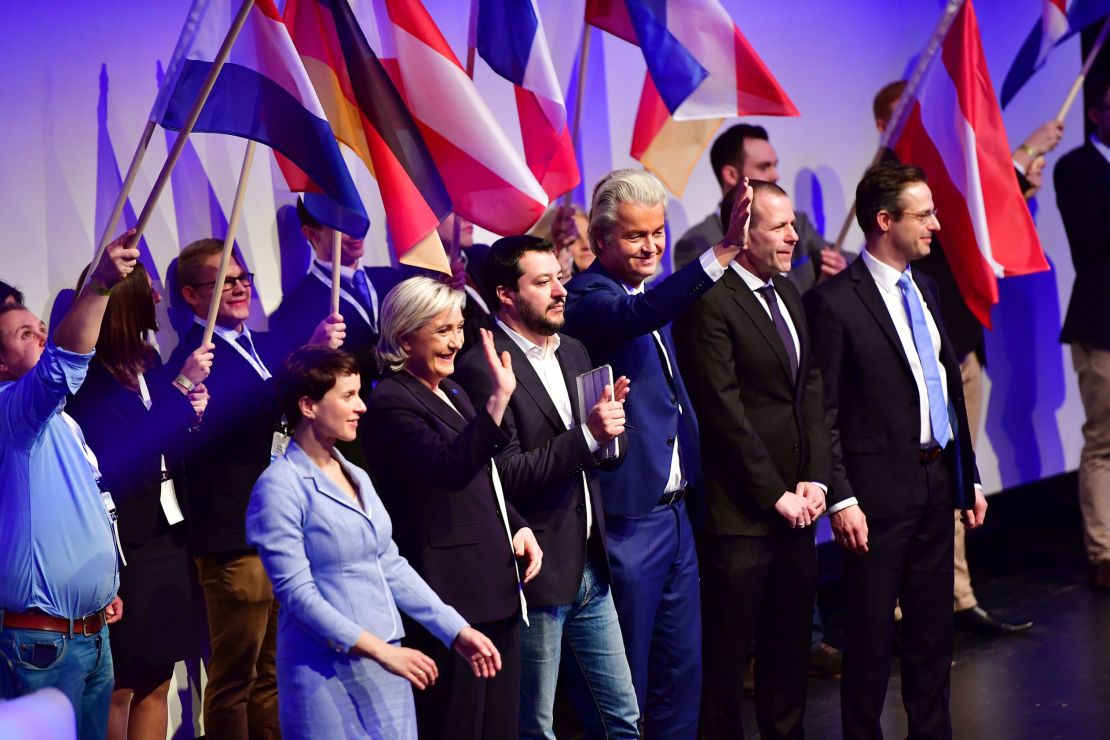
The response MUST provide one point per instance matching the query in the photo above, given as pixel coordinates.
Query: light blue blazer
(335, 572)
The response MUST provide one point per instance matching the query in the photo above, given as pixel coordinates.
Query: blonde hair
(406, 308)
(616, 188)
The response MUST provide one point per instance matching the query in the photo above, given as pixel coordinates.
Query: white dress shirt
(322, 272)
(230, 335)
(546, 365)
(712, 267)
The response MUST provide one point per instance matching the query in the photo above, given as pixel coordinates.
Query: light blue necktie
(938, 409)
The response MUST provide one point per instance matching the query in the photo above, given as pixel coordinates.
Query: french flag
(511, 40)
(488, 181)
(954, 132)
(262, 93)
(701, 70)
(1060, 20)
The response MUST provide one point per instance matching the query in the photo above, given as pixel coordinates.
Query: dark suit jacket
(232, 448)
(129, 442)
(616, 329)
(762, 430)
(431, 467)
(871, 399)
(541, 467)
(1082, 179)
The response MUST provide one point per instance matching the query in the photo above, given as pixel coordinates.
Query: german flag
(368, 115)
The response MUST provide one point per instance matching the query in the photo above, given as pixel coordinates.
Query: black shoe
(825, 661)
(978, 621)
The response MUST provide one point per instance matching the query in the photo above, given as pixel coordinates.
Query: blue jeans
(80, 667)
(586, 631)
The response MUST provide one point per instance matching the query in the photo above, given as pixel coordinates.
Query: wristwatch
(185, 383)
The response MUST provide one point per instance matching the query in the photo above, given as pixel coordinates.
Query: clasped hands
(802, 506)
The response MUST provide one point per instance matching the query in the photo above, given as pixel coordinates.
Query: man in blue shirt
(58, 568)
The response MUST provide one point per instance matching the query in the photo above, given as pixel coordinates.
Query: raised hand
(330, 332)
(478, 651)
(198, 364)
(115, 264)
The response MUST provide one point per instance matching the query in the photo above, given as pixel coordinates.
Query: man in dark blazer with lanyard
(549, 471)
(361, 291)
(902, 458)
(225, 457)
(648, 531)
(746, 354)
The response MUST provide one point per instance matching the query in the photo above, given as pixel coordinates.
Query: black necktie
(768, 293)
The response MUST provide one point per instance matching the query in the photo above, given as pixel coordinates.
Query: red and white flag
(953, 130)
(487, 178)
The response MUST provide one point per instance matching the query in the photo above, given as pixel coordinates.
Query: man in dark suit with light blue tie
(648, 531)
(901, 454)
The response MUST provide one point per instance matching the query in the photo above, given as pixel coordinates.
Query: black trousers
(460, 706)
(909, 559)
(761, 588)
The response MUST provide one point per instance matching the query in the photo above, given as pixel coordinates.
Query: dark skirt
(157, 628)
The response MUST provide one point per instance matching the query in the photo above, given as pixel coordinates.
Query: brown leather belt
(34, 620)
(929, 454)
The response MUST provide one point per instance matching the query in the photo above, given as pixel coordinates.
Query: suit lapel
(570, 378)
(947, 352)
(323, 484)
(526, 376)
(456, 419)
(868, 292)
(750, 304)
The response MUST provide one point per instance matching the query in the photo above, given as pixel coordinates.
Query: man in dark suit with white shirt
(746, 353)
(549, 471)
(901, 453)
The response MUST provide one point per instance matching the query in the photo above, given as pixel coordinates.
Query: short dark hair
(306, 218)
(758, 187)
(883, 105)
(881, 190)
(194, 255)
(310, 371)
(502, 263)
(729, 147)
(10, 291)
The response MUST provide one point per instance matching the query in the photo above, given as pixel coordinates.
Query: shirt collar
(1103, 149)
(345, 273)
(750, 279)
(527, 346)
(229, 335)
(886, 277)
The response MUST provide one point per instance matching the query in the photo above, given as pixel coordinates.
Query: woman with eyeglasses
(136, 418)
(430, 454)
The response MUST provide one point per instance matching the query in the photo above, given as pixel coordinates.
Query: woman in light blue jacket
(325, 541)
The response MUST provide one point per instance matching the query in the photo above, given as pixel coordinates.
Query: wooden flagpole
(579, 96)
(186, 129)
(125, 188)
(336, 253)
(1082, 76)
(902, 107)
(229, 242)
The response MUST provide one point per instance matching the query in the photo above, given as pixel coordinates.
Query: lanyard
(171, 507)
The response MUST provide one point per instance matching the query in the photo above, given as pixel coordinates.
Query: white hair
(615, 189)
(406, 308)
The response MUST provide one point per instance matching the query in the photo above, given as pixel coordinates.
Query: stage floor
(1051, 682)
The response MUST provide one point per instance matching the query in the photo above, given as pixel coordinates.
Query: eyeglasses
(246, 278)
(922, 218)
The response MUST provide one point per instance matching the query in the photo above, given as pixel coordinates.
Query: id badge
(170, 505)
(279, 445)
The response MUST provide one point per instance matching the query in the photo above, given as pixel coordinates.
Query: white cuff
(592, 443)
(711, 265)
(842, 505)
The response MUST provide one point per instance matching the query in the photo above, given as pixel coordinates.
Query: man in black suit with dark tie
(549, 471)
(1082, 179)
(226, 455)
(901, 453)
(746, 354)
